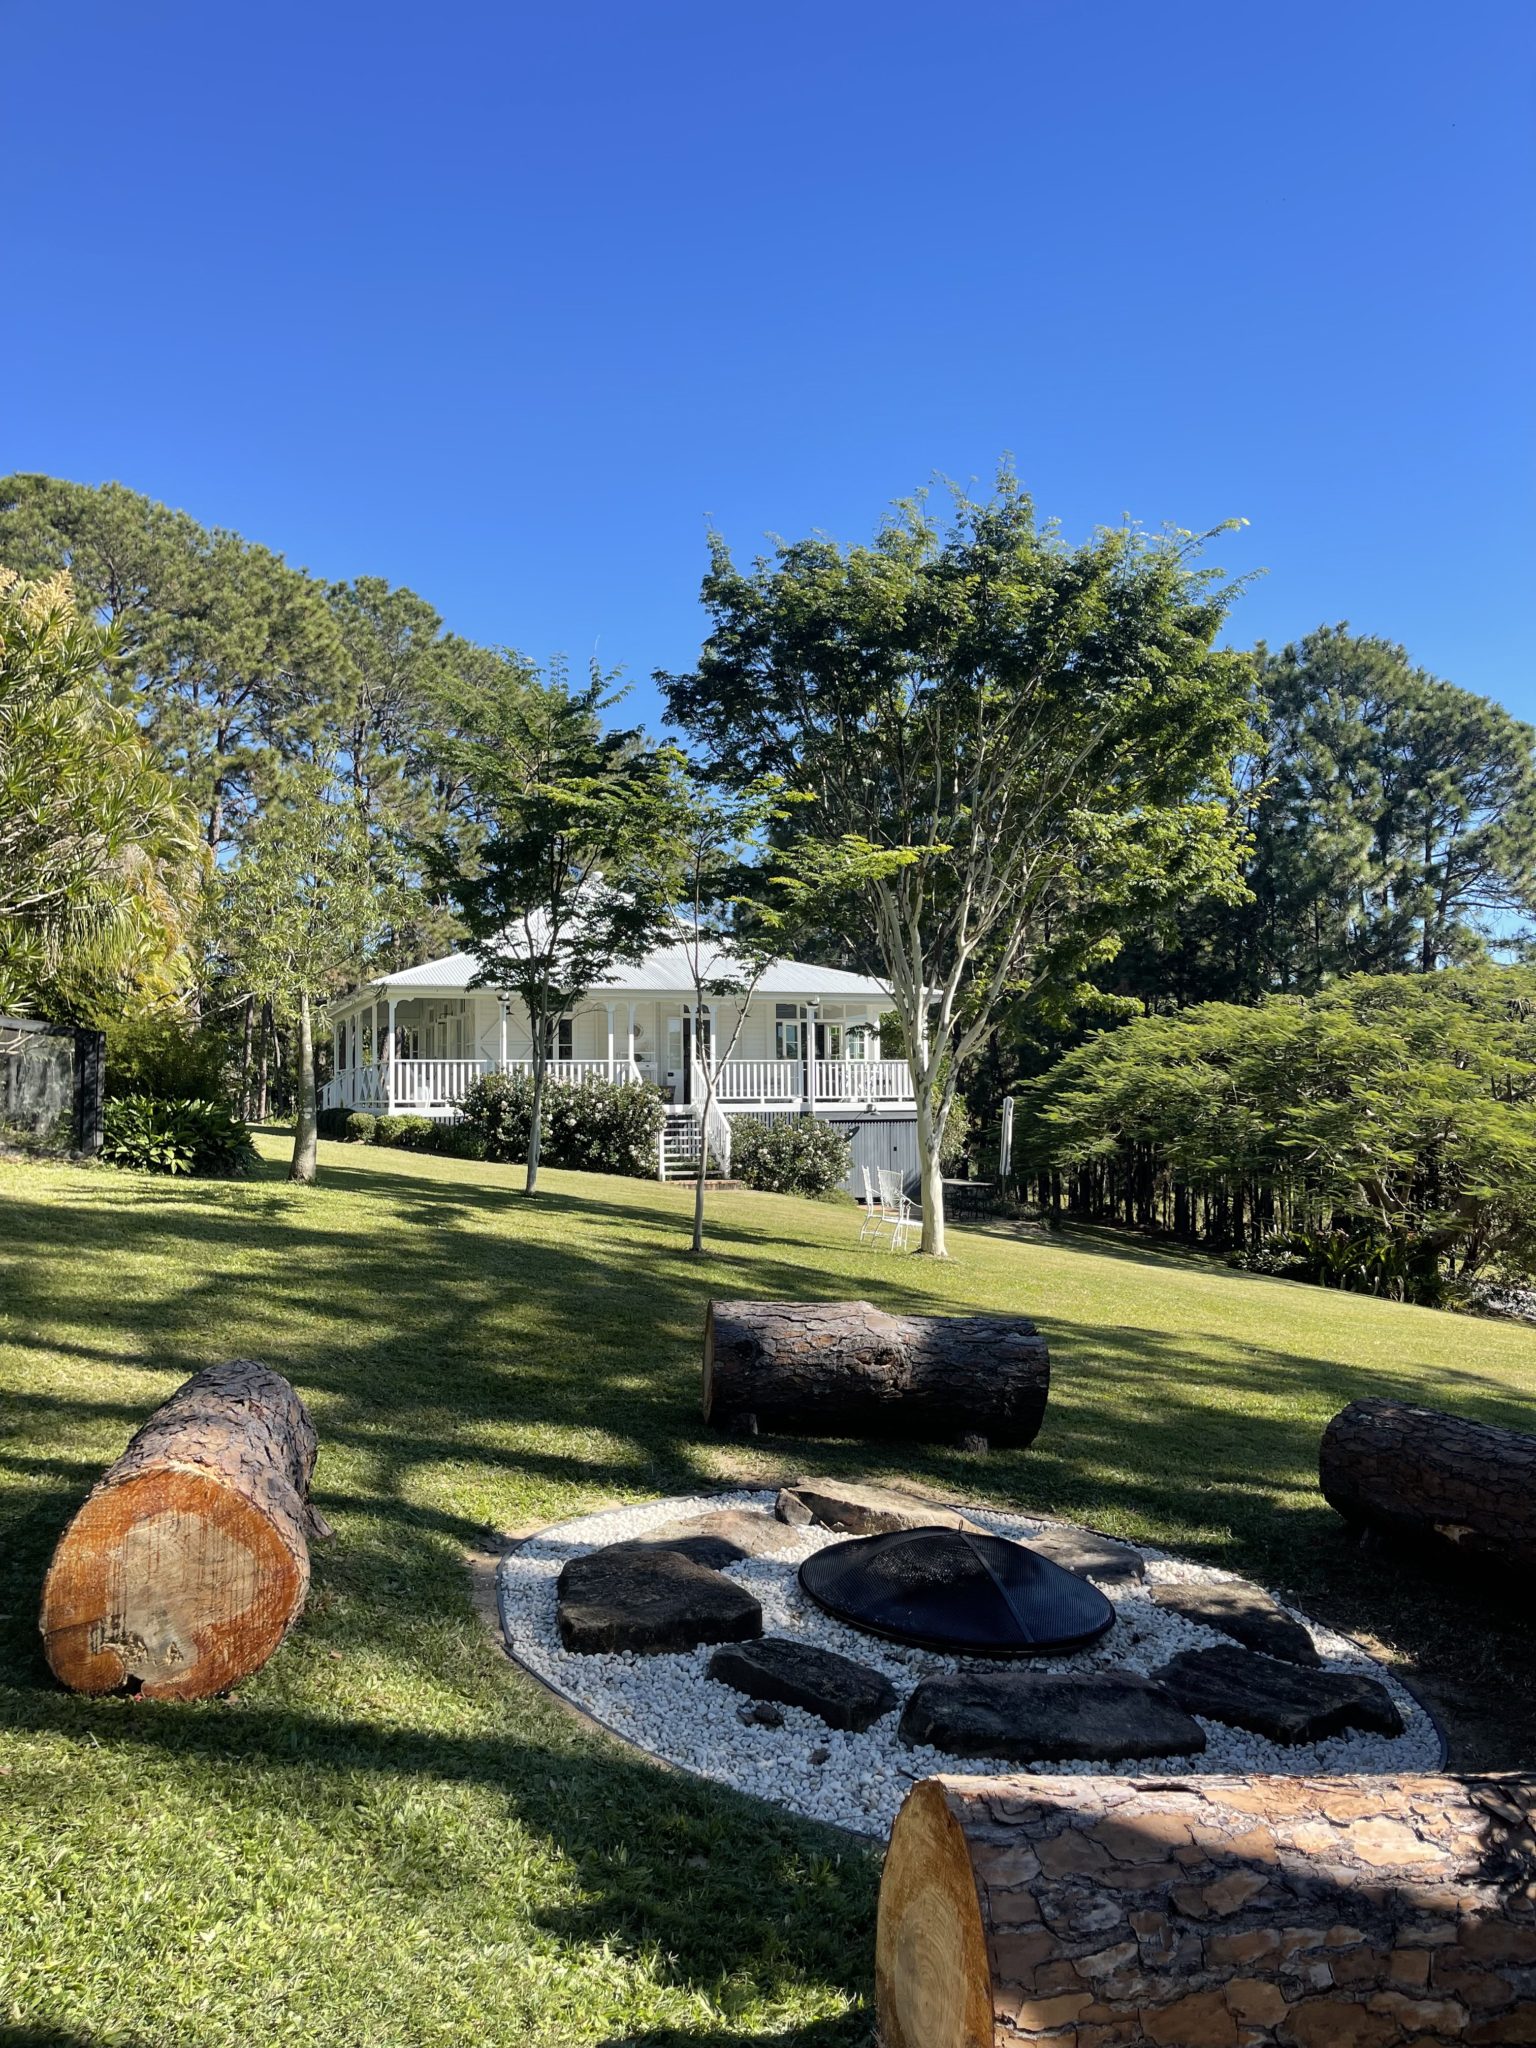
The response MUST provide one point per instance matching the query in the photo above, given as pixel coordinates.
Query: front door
(679, 1056)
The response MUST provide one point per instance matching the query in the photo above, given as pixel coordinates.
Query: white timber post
(630, 1047)
(389, 1064)
(810, 1059)
(501, 1055)
(609, 1007)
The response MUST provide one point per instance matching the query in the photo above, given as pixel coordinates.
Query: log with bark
(188, 1562)
(1416, 1472)
(846, 1367)
(1209, 1912)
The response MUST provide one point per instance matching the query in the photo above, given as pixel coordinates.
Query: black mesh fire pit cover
(945, 1589)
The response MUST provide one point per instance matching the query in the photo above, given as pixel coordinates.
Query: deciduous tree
(1008, 739)
(530, 868)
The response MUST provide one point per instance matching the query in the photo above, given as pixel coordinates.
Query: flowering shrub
(594, 1126)
(803, 1157)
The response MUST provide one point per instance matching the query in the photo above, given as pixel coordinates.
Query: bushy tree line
(1384, 1130)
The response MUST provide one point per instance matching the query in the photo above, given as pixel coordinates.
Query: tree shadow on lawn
(465, 1373)
(731, 1892)
(469, 1375)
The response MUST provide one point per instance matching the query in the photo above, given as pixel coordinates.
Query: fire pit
(957, 1590)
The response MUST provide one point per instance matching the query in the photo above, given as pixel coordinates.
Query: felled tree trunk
(827, 1367)
(1419, 1473)
(1112, 1912)
(189, 1561)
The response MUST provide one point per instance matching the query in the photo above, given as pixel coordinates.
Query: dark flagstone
(1050, 1717)
(1282, 1701)
(842, 1693)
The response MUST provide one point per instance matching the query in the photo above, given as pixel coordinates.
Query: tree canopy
(1393, 1113)
(1009, 742)
(99, 867)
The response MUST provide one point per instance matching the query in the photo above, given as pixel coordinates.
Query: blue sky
(507, 303)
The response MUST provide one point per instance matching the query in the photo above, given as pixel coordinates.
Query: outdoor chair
(870, 1227)
(891, 1212)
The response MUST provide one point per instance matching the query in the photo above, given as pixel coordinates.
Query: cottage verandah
(415, 1041)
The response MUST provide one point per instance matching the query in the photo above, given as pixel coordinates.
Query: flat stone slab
(724, 1537)
(1050, 1717)
(836, 1689)
(864, 1510)
(650, 1598)
(1089, 1555)
(1282, 1701)
(1245, 1613)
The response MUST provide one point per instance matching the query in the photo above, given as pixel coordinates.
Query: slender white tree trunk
(305, 1131)
(703, 1173)
(536, 1117)
(930, 1137)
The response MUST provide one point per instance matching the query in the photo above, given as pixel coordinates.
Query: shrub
(457, 1141)
(959, 1133)
(803, 1157)
(498, 1108)
(360, 1127)
(161, 1054)
(1352, 1254)
(596, 1126)
(411, 1133)
(161, 1136)
(605, 1126)
(332, 1123)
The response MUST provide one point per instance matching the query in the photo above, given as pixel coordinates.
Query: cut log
(1209, 1912)
(833, 1368)
(1415, 1472)
(189, 1561)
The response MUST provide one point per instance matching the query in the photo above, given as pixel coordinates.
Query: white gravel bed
(666, 1704)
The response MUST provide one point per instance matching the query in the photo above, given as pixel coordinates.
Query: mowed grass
(389, 1836)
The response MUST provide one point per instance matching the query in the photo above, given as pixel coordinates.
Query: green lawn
(388, 1836)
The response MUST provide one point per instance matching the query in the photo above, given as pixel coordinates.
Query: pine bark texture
(188, 1563)
(1416, 1472)
(829, 1366)
(1210, 1913)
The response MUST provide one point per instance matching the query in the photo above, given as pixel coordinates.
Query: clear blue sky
(506, 303)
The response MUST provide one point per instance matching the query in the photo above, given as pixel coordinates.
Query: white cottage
(414, 1041)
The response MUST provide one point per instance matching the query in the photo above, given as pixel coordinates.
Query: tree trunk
(931, 1175)
(1416, 1473)
(189, 1561)
(264, 1037)
(1176, 1911)
(247, 1037)
(536, 1117)
(305, 1131)
(834, 1367)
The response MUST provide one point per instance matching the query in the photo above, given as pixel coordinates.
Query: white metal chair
(892, 1211)
(870, 1227)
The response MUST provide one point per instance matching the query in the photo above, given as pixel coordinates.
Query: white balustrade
(421, 1085)
(424, 1087)
(863, 1081)
(760, 1080)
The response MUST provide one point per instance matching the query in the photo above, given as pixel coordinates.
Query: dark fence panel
(51, 1078)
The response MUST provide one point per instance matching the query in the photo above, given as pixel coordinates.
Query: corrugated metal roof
(664, 972)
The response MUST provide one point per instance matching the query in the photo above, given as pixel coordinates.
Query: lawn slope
(388, 1837)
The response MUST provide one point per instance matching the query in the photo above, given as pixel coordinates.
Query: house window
(858, 1041)
(557, 1041)
(786, 1032)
